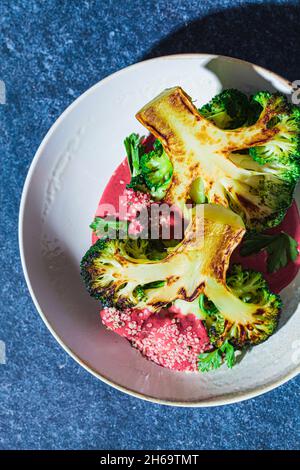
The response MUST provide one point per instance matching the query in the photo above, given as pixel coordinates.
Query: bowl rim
(227, 399)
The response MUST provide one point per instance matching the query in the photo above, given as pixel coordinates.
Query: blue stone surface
(50, 53)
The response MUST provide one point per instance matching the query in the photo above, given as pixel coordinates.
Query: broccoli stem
(197, 191)
(228, 304)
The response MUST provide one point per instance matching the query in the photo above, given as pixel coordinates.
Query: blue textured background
(52, 51)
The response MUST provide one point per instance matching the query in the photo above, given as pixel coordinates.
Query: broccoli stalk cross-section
(252, 169)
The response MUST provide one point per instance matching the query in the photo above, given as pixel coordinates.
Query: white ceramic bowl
(62, 189)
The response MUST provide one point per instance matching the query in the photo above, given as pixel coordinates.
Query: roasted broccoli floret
(137, 183)
(134, 150)
(239, 309)
(281, 153)
(157, 171)
(97, 270)
(245, 315)
(227, 110)
(251, 323)
(231, 164)
(139, 248)
(150, 172)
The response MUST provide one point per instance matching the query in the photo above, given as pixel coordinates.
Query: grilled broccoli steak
(117, 279)
(252, 169)
(192, 277)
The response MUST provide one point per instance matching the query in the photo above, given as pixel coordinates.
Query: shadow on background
(268, 35)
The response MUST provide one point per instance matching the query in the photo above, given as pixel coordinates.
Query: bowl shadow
(267, 35)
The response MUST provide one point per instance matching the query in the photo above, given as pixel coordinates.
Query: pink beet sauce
(170, 339)
(282, 278)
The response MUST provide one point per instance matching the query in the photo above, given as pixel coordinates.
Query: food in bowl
(203, 189)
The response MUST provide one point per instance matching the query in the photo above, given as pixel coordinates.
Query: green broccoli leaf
(213, 360)
(228, 350)
(281, 251)
(254, 243)
(153, 285)
(157, 145)
(104, 227)
(281, 248)
(209, 361)
(134, 150)
(137, 183)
